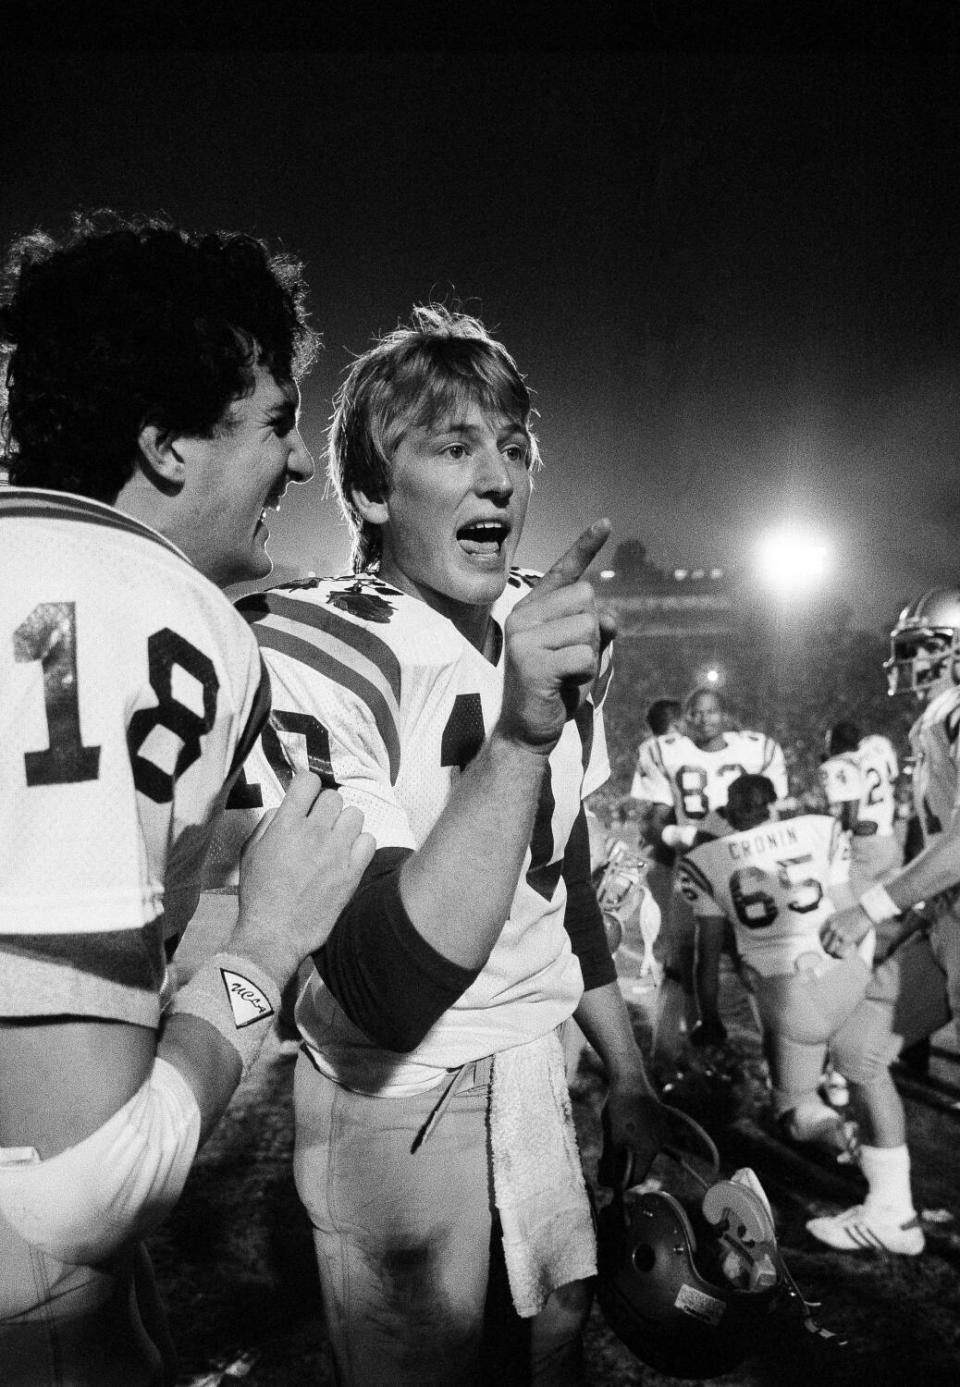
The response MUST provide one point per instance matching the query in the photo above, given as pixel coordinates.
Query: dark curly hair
(124, 322)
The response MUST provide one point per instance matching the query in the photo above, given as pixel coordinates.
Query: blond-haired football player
(457, 701)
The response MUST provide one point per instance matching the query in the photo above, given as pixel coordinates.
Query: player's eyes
(516, 452)
(456, 451)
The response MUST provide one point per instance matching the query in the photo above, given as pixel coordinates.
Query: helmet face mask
(670, 1294)
(925, 643)
(919, 659)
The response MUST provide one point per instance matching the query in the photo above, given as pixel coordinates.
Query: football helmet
(690, 1301)
(689, 1304)
(623, 895)
(924, 641)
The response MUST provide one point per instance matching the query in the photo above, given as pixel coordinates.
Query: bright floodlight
(792, 561)
(713, 676)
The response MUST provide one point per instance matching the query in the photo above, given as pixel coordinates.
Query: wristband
(678, 836)
(878, 905)
(236, 997)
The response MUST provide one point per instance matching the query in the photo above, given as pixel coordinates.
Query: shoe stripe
(866, 1237)
(861, 1237)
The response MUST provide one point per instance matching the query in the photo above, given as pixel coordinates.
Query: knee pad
(114, 1186)
(857, 1063)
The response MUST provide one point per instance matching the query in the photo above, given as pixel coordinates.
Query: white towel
(540, 1193)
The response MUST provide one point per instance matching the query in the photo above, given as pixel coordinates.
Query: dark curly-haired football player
(151, 422)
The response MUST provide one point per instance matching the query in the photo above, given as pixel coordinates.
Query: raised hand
(552, 642)
(298, 870)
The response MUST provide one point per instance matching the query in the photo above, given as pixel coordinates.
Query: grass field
(236, 1260)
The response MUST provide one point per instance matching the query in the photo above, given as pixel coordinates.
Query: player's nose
(300, 464)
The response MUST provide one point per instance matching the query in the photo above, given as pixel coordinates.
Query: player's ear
(374, 511)
(161, 456)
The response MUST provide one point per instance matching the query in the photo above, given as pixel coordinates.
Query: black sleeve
(583, 917)
(392, 984)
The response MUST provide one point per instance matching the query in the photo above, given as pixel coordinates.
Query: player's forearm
(458, 887)
(603, 1017)
(933, 870)
(209, 1064)
(218, 1020)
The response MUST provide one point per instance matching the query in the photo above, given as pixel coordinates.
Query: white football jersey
(867, 776)
(672, 770)
(772, 883)
(642, 769)
(130, 690)
(388, 703)
(936, 767)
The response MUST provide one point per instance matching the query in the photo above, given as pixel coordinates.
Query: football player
(859, 779)
(775, 883)
(916, 988)
(457, 700)
(151, 426)
(685, 776)
(664, 715)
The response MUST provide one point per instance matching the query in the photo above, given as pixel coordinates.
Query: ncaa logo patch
(247, 1002)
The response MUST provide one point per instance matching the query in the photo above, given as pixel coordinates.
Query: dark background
(721, 240)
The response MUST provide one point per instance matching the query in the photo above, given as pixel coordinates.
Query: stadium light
(793, 561)
(710, 677)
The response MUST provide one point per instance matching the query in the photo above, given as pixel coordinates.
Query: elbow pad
(114, 1186)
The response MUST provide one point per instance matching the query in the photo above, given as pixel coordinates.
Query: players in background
(663, 716)
(776, 883)
(916, 988)
(685, 776)
(457, 701)
(152, 421)
(859, 779)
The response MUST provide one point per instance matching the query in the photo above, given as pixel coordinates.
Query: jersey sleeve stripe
(697, 875)
(359, 638)
(344, 652)
(319, 658)
(38, 505)
(338, 638)
(129, 958)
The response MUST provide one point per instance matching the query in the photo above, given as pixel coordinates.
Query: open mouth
(272, 503)
(483, 538)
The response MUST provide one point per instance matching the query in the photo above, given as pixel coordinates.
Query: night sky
(731, 277)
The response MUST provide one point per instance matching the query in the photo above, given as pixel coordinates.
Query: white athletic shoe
(861, 1228)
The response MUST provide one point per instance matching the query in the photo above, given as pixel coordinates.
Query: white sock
(887, 1172)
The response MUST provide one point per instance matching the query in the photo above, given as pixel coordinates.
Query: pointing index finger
(571, 566)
